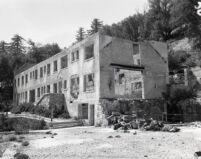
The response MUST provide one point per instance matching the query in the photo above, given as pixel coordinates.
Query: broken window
(135, 49)
(138, 85)
(36, 74)
(55, 87)
(55, 65)
(74, 85)
(18, 82)
(44, 69)
(121, 78)
(89, 82)
(32, 95)
(60, 86)
(85, 111)
(22, 80)
(26, 96)
(75, 56)
(38, 92)
(138, 62)
(65, 84)
(26, 78)
(64, 62)
(48, 69)
(41, 72)
(89, 52)
(48, 88)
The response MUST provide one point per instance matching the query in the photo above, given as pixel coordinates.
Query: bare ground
(93, 143)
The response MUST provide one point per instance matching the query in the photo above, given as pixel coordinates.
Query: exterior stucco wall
(107, 50)
(155, 75)
(80, 68)
(112, 50)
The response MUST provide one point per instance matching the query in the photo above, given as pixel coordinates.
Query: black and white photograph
(100, 79)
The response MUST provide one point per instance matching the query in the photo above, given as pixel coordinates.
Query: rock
(116, 126)
(110, 137)
(117, 136)
(48, 132)
(134, 125)
(135, 133)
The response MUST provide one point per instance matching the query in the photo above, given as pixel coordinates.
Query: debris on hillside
(127, 122)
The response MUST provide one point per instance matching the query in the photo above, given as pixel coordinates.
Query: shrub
(21, 156)
(25, 143)
(21, 129)
(64, 115)
(12, 138)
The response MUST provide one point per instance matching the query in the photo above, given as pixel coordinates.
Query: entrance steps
(58, 125)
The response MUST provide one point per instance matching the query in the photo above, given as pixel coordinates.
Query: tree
(16, 46)
(160, 14)
(6, 81)
(80, 34)
(38, 52)
(96, 25)
(186, 21)
(3, 47)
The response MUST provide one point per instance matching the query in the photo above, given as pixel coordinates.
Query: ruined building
(99, 67)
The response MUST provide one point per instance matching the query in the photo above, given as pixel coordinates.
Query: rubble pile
(130, 121)
(195, 124)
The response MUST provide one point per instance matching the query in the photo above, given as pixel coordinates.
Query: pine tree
(16, 46)
(80, 34)
(3, 47)
(96, 25)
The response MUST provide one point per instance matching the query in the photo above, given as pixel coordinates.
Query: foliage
(80, 34)
(22, 125)
(38, 53)
(40, 110)
(15, 54)
(12, 138)
(96, 25)
(148, 107)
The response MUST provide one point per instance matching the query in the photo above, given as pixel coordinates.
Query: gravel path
(104, 143)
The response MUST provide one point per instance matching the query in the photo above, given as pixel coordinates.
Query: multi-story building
(98, 67)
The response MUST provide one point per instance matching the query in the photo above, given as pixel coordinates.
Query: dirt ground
(104, 143)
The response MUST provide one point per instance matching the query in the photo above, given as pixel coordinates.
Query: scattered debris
(135, 133)
(127, 122)
(21, 156)
(48, 132)
(117, 136)
(197, 154)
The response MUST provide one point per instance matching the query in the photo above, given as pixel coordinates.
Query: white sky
(48, 21)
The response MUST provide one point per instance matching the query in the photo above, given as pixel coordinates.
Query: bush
(21, 156)
(64, 115)
(12, 138)
(25, 143)
(41, 110)
(21, 127)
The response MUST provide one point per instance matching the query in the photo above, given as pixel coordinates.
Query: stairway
(58, 125)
